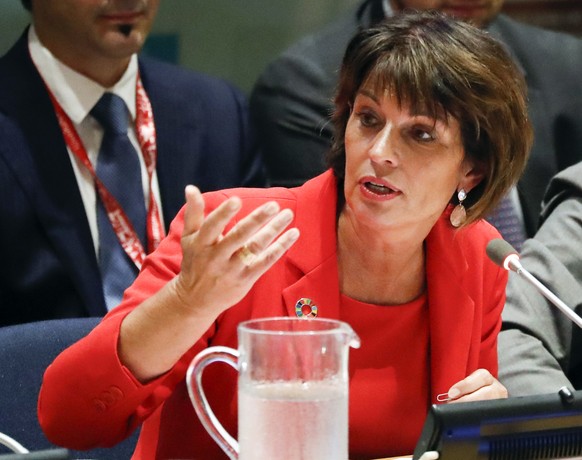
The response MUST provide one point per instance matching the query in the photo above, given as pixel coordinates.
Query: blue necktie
(119, 169)
(504, 217)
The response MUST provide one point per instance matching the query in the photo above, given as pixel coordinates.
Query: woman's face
(401, 168)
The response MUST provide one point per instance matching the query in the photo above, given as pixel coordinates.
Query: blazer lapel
(314, 254)
(319, 287)
(450, 307)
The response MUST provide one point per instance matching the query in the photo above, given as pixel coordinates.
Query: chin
(120, 45)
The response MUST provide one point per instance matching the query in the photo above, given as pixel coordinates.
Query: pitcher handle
(194, 383)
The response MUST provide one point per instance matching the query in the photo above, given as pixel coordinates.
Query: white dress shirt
(77, 95)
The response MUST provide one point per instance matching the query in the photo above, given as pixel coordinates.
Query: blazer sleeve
(493, 303)
(88, 397)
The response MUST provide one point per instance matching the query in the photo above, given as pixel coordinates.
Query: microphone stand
(512, 263)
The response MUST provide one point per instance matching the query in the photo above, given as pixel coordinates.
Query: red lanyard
(146, 135)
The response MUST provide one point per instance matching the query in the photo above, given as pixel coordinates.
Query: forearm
(155, 335)
(526, 367)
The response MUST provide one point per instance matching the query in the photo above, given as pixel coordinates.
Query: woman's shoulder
(482, 229)
(474, 238)
(286, 197)
(251, 197)
(477, 233)
(471, 240)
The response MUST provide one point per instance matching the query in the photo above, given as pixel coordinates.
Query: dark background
(235, 39)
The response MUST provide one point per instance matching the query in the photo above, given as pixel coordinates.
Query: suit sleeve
(252, 167)
(88, 397)
(536, 343)
(291, 107)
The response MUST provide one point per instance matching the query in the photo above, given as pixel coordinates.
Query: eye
(367, 119)
(423, 133)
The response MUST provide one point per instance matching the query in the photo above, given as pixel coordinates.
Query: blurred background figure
(540, 347)
(292, 100)
(432, 131)
(97, 146)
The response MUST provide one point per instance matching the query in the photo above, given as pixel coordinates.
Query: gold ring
(246, 255)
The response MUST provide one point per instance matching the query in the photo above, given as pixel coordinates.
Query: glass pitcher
(292, 389)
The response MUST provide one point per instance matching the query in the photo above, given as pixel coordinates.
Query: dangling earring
(459, 215)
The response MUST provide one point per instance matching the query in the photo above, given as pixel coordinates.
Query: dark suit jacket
(292, 101)
(539, 347)
(49, 268)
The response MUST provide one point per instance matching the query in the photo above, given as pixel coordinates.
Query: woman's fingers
(262, 248)
(212, 230)
(214, 224)
(220, 266)
(471, 383)
(249, 237)
(268, 215)
(257, 238)
(265, 259)
(194, 213)
(256, 231)
(477, 386)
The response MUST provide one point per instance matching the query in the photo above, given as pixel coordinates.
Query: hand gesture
(218, 268)
(217, 271)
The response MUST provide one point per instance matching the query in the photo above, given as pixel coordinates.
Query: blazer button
(99, 405)
(111, 396)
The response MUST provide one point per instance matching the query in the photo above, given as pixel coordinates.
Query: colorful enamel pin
(305, 308)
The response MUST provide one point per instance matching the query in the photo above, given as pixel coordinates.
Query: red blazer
(88, 398)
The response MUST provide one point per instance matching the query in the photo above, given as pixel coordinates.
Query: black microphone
(504, 255)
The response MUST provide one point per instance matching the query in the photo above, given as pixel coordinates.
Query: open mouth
(378, 189)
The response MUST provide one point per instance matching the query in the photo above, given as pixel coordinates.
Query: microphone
(504, 255)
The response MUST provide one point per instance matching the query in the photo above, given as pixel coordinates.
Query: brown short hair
(439, 64)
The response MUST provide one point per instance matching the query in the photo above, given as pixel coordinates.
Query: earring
(459, 215)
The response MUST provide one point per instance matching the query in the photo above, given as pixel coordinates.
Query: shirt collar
(76, 93)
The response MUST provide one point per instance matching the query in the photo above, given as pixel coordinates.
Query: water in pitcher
(293, 421)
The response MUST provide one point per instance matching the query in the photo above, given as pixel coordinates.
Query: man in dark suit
(292, 100)
(72, 54)
(539, 346)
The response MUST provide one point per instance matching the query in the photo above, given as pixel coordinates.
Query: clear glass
(292, 389)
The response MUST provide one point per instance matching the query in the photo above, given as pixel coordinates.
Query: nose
(382, 150)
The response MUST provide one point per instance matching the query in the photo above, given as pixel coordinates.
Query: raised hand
(219, 268)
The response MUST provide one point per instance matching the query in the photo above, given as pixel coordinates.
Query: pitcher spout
(350, 337)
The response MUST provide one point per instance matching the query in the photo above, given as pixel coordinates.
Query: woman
(432, 117)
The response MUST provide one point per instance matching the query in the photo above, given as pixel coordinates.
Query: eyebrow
(369, 94)
(440, 115)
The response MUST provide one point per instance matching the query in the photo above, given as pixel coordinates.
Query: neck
(106, 78)
(379, 270)
(106, 71)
